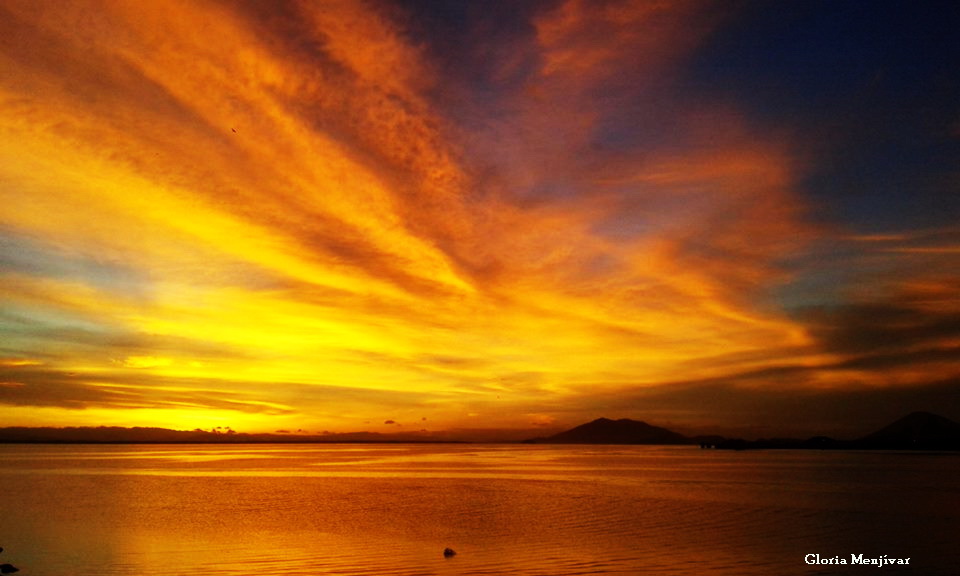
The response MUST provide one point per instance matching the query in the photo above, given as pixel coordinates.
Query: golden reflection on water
(507, 509)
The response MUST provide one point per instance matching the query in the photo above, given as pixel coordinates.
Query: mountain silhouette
(919, 431)
(915, 431)
(623, 431)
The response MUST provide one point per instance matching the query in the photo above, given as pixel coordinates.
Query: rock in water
(8, 569)
(448, 552)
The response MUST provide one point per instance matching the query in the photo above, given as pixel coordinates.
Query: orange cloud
(587, 41)
(270, 211)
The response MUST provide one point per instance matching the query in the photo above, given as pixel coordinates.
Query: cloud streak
(305, 216)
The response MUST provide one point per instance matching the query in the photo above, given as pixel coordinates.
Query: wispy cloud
(313, 215)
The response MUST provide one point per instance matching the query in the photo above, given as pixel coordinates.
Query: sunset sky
(451, 216)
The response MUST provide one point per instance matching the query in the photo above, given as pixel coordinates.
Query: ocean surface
(506, 510)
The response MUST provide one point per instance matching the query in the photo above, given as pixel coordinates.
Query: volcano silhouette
(623, 431)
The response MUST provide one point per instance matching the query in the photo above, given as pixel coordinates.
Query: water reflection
(355, 509)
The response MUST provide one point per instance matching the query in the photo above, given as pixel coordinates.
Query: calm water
(507, 510)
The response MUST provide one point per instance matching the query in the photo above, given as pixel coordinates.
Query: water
(506, 510)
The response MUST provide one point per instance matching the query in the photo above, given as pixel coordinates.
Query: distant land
(138, 435)
(623, 431)
(916, 431)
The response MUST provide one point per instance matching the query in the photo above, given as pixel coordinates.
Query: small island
(916, 431)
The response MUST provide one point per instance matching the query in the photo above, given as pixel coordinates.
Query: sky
(453, 217)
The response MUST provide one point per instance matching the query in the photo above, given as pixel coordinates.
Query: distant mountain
(623, 431)
(916, 431)
(919, 430)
